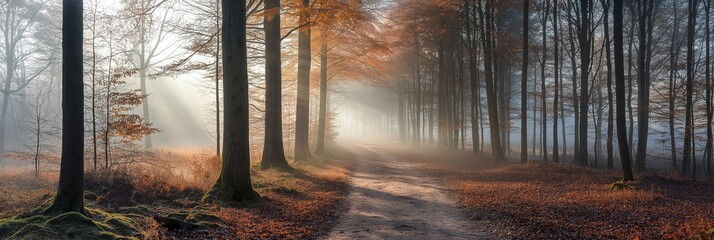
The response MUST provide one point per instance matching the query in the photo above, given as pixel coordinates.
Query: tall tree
(145, 49)
(674, 49)
(472, 49)
(544, 111)
(234, 183)
(620, 93)
(70, 191)
(689, 122)
(556, 81)
(585, 42)
(644, 59)
(302, 115)
(273, 152)
(709, 90)
(487, 31)
(322, 118)
(610, 103)
(524, 86)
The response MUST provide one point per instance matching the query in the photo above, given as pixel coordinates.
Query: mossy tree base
(57, 209)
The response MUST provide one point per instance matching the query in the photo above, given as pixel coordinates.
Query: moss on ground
(138, 209)
(620, 186)
(72, 225)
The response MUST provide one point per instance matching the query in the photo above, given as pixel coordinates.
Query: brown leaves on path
(563, 201)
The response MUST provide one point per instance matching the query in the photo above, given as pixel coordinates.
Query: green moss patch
(72, 225)
(620, 186)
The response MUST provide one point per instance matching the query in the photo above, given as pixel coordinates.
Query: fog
(390, 79)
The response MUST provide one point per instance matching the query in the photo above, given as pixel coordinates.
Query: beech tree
(234, 183)
(524, 86)
(302, 118)
(273, 153)
(624, 147)
(70, 190)
(585, 42)
(647, 8)
(689, 122)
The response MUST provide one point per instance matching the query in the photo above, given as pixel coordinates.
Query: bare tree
(17, 22)
(689, 122)
(524, 86)
(151, 19)
(620, 93)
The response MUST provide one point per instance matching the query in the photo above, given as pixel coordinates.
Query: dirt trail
(389, 199)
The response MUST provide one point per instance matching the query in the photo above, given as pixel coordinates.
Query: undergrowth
(145, 201)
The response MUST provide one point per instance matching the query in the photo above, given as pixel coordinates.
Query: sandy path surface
(389, 199)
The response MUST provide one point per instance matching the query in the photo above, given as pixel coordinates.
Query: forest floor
(389, 199)
(296, 204)
(563, 201)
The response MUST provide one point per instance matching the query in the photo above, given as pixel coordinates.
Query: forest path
(389, 199)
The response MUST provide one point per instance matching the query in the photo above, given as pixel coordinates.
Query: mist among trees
(350, 119)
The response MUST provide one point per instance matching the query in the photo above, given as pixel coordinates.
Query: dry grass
(20, 191)
(297, 204)
(562, 201)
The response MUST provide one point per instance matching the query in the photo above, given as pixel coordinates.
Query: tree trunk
(143, 68)
(620, 94)
(584, 39)
(631, 41)
(234, 183)
(556, 69)
(70, 191)
(487, 41)
(217, 80)
(401, 117)
(544, 110)
(673, 60)
(302, 116)
(689, 123)
(574, 80)
(524, 86)
(610, 103)
(273, 152)
(108, 107)
(643, 86)
(535, 106)
(708, 80)
(323, 101)
(93, 87)
(474, 77)
(417, 103)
